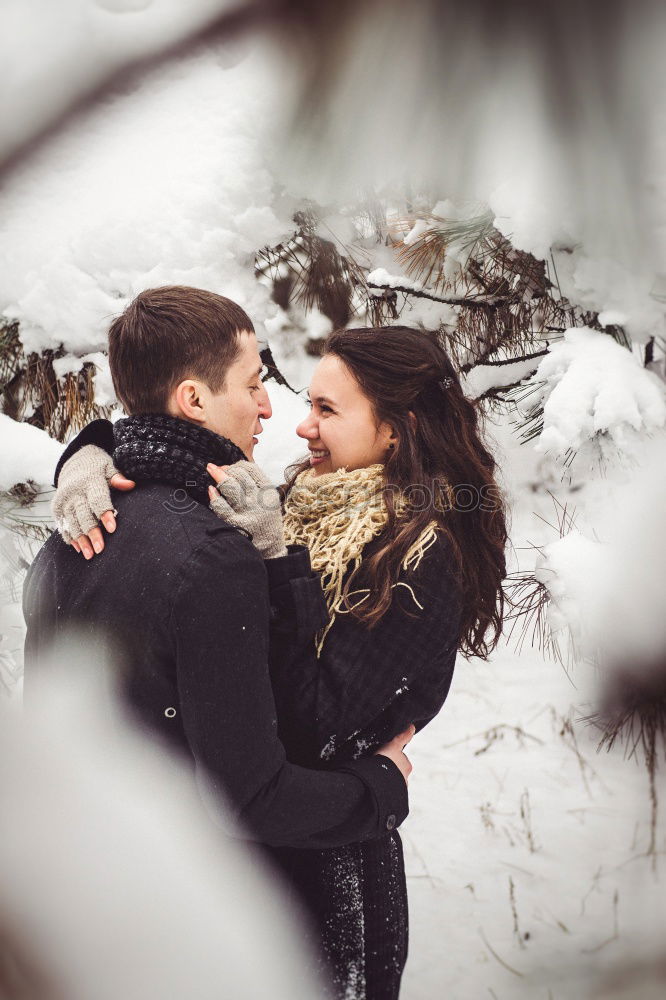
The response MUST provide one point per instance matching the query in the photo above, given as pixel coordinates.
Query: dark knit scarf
(163, 449)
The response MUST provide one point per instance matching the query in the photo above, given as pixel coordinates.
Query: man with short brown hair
(183, 597)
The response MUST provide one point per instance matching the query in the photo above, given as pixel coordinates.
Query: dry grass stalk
(36, 395)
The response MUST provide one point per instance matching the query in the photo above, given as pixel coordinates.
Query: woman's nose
(308, 427)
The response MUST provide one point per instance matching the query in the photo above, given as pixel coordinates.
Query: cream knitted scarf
(336, 515)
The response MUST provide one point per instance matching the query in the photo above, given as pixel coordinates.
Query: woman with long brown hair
(398, 505)
(405, 523)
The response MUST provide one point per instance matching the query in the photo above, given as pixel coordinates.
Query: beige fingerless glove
(83, 492)
(248, 501)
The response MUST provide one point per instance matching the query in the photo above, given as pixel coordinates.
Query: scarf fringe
(418, 549)
(412, 558)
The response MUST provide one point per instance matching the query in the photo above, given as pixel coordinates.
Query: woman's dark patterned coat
(366, 687)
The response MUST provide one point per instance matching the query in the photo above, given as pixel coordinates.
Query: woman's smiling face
(341, 429)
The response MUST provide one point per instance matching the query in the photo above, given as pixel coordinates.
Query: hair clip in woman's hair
(446, 382)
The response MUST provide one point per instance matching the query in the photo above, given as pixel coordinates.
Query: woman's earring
(391, 447)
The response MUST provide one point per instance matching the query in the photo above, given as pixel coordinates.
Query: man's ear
(186, 401)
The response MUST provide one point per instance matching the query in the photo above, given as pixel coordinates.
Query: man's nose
(265, 408)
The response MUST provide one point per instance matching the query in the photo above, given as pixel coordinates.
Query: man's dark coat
(185, 601)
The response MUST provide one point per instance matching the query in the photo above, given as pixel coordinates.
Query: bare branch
(502, 361)
(451, 300)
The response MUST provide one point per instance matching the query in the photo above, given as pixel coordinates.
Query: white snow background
(526, 850)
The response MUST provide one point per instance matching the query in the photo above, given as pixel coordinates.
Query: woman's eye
(323, 408)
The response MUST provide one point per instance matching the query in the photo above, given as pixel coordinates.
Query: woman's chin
(321, 467)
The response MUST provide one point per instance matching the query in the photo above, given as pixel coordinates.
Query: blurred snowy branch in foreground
(114, 883)
(558, 95)
(554, 98)
(57, 58)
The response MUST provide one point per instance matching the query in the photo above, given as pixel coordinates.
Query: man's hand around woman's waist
(394, 750)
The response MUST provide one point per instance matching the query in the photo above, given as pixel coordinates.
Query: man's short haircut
(169, 334)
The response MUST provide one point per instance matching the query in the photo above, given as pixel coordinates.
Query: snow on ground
(525, 848)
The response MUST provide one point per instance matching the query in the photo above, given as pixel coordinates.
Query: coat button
(170, 712)
(390, 822)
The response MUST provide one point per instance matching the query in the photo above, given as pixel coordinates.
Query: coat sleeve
(99, 432)
(370, 684)
(219, 621)
(298, 607)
